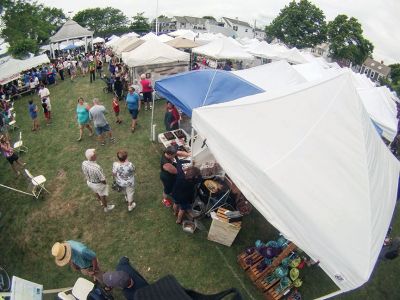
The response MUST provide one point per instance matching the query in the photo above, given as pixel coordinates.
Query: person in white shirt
(44, 95)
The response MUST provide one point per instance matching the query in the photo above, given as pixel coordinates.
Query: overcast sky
(379, 18)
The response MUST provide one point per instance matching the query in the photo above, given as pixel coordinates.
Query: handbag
(116, 187)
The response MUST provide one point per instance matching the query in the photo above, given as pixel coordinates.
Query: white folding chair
(38, 183)
(13, 123)
(19, 145)
(80, 291)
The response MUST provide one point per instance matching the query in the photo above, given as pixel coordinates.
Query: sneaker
(132, 206)
(109, 207)
(166, 202)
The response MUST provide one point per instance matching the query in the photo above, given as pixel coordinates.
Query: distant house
(321, 50)
(193, 23)
(165, 25)
(243, 29)
(374, 69)
(260, 34)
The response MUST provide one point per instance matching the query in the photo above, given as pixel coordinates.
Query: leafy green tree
(103, 21)
(299, 24)
(140, 23)
(26, 25)
(347, 42)
(395, 73)
(209, 18)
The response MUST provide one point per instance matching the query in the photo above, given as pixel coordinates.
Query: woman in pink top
(147, 91)
(9, 154)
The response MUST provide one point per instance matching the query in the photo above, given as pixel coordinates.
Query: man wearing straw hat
(79, 257)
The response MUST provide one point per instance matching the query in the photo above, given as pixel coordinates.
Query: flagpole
(157, 18)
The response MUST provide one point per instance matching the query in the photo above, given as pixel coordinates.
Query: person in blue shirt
(133, 103)
(79, 257)
(32, 108)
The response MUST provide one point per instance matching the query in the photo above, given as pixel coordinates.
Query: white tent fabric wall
(154, 52)
(381, 109)
(275, 75)
(223, 48)
(309, 159)
(11, 69)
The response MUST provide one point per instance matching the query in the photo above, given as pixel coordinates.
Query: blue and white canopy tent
(198, 88)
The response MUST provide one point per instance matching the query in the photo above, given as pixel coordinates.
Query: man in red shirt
(147, 91)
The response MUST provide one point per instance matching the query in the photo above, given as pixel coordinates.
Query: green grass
(148, 235)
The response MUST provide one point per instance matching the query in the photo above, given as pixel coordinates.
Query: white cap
(89, 153)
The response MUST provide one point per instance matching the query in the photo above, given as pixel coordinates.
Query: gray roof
(193, 20)
(236, 22)
(377, 66)
(70, 30)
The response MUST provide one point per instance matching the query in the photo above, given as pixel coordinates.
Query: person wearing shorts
(96, 179)
(147, 91)
(101, 126)
(133, 104)
(124, 173)
(9, 154)
(33, 114)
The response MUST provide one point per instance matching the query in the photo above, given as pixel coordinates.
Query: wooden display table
(221, 231)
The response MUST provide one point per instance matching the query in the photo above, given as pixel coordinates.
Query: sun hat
(116, 279)
(62, 253)
(89, 153)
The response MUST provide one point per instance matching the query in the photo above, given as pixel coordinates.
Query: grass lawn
(148, 235)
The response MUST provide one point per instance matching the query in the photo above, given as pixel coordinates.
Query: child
(115, 106)
(46, 111)
(33, 114)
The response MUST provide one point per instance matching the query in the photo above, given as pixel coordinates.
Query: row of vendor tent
(310, 160)
(12, 68)
(206, 88)
(307, 156)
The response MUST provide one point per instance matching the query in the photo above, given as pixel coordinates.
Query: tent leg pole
(152, 130)
(191, 144)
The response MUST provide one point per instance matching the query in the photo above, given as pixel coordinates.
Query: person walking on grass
(9, 154)
(32, 108)
(92, 71)
(101, 126)
(124, 173)
(79, 257)
(96, 179)
(147, 91)
(115, 106)
(133, 103)
(44, 95)
(82, 115)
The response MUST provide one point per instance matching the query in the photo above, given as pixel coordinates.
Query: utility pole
(157, 18)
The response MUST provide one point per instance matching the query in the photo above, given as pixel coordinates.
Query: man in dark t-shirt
(126, 278)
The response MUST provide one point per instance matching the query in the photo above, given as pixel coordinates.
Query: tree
(26, 25)
(300, 24)
(140, 23)
(103, 21)
(393, 82)
(347, 42)
(209, 18)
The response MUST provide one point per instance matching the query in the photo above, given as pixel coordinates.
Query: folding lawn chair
(13, 123)
(19, 145)
(38, 183)
(80, 291)
(215, 203)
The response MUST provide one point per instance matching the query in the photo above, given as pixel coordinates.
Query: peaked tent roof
(70, 30)
(128, 45)
(153, 52)
(203, 87)
(11, 69)
(223, 48)
(98, 40)
(149, 36)
(320, 173)
(165, 38)
(182, 43)
(279, 74)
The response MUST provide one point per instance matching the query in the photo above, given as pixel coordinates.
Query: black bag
(168, 288)
(116, 187)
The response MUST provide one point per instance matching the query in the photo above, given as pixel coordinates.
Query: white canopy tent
(98, 40)
(188, 34)
(223, 48)
(131, 34)
(113, 39)
(311, 162)
(275, 75)
(117, 42)
(127, 45)
(149, 36)
(154, 52)
(11, 69)
(165, 38)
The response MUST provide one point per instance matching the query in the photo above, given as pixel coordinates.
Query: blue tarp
(203, 87)
(70, 47)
